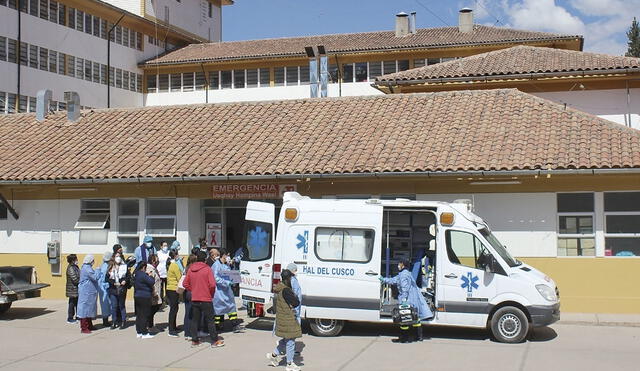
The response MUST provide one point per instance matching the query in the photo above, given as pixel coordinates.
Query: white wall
(133, 6)
(189, 15)
(608, 104)
(255, 94)
(525, 222)
(63, 39)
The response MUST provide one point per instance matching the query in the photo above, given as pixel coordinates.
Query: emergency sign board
(256, 191)
(214, 234)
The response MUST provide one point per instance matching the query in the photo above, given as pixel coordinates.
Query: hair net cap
(88, 259)
(147, 239)
(107, 256)
(292, 267)
(175, 245)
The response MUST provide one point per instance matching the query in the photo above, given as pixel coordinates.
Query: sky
(603, 23)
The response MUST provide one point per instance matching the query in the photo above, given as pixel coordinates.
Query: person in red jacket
(200, 282)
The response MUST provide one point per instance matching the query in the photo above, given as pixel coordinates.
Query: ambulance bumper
(544, 315)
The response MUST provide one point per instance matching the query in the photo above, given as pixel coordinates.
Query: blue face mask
(148, 244)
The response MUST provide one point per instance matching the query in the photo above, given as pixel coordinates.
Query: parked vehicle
(18, 283)
(342, 247)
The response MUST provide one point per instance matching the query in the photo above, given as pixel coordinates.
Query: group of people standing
(157, 276)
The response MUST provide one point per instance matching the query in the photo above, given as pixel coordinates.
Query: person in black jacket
(143, 291)
(73, 279)
(118, 276)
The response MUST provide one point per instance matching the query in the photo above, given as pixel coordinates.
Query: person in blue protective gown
(87, 295)
(408, 293)
(142, 252)
(223, 300)
(103, 288)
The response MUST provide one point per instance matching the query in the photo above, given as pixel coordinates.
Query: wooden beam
(9, 207)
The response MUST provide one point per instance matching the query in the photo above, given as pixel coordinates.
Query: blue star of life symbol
(469, 282)
(258, 239)
(303, 241)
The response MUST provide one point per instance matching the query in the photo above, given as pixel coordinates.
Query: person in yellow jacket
(174, 273)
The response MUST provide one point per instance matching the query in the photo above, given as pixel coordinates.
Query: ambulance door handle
(245, 272)
(371, 273)
(451, 275)
(300, 262)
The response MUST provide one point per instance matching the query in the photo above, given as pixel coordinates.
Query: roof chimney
(402, 24)
(412, 23)
(43, 100)
(72, 100)
(465, 20)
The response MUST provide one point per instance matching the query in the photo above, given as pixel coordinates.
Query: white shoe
(273, 361)
(138, 336)
(147, 336)
(292, 367)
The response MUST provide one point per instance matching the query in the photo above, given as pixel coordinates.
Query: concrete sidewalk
(600, 319)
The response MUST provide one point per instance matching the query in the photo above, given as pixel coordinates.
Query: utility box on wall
(54, 250)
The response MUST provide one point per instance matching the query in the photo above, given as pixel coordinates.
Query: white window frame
(120, 217)
(165, 216)
(84, 213)
(591, 235)
(618, 235)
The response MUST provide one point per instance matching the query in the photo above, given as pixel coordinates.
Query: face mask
(165, 249)
(148, 244)
(118, 260)
(399, 267)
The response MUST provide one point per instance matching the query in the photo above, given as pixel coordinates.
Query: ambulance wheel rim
(509, 325)
(326, 324)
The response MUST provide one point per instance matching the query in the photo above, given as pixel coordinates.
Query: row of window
(282, 76)
(94, 222)
(64, 64)
(576, 231)
(58, 13)
(26, 103)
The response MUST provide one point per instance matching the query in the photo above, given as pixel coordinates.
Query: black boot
(418, 333)
(114, 325)
(105, 321)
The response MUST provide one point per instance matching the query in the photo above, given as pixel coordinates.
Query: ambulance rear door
(256, 268)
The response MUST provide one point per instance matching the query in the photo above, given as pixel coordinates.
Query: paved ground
(34, 335)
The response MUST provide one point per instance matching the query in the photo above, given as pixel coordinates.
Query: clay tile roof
(354, 42)
(436, 132)
(516, 60)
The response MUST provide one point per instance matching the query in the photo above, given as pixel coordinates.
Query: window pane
(128, 225)
(622, 246)
(79, 20)
(200, 81)
(71, 66)
(44, 59)
(225, 77)
(304, 75)
(238, 79)
(125, 36)
(93, 236)
(62, 9)
(252, 78)
(103, 29)
(44, 9)
(128, 207)
(53, 11)
(187, 81)
(389, 67)
(152, 83)
(461, 248)
(403, 65)
(375, 70)
(163, 83)
(575, 202)
(576, 247)
(96, 26)
(292, 76)
(33, 7)
(32, 104)
(257, 241)
(160, 226)
(347, 72)
(24, 53)
(161, 207)
(361, 72)
(575, 225)
(61, 70)
(431, 61)
(72, 18)
(33, 56)
(418, 63)
(87, 70)
(96, 72)
(53, 61)
(265, 79)
(623, 224)
(279, 76)
(622, 201)
(3, 48)
(80, 68)
(92, 221)
(176, 82)
(355, 245)
(333, 73)
(95, 206)
(88, 25)
(129, 244)
(214, 80)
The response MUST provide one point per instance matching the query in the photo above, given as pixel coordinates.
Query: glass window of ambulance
(257, 241)
(499, 248)
(464, 248)
(344, 244)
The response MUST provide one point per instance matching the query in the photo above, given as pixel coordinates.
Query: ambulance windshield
(500, 249)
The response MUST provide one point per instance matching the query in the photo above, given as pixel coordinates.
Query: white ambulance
(342, 247)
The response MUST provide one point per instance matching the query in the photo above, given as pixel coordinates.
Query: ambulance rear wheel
(509, 325)
(326, 327)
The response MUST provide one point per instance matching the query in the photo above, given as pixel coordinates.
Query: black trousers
(204, 309)
(71, 311)
(154, 309)
(172, 297)
(143, 310)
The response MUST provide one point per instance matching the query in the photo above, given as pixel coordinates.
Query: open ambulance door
(256, 268)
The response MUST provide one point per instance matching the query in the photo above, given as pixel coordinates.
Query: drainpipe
(206, 84)
(109, 60)
(19, 52)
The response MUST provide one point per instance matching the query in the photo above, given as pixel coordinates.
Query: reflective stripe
(417, 324)
(404, 327)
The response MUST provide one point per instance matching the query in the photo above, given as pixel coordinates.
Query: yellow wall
(587, 285)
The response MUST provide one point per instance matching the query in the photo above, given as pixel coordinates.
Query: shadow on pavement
(540, 334)
(24, 313)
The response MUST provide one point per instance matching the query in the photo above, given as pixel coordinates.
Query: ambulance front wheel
(5, 307)
(326, 327)
(509, 325)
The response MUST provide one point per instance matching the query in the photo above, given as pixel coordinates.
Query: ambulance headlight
(547, 292)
